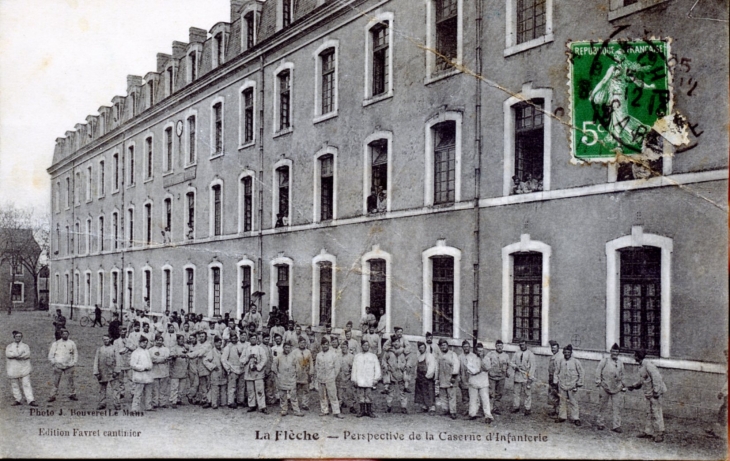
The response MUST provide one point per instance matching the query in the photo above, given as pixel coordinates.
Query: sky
(60, 60)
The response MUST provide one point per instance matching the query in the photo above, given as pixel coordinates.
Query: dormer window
(286, 13)
(192, 66)
(170, 80)
(219, 51)
(150, 93)
(249, 30)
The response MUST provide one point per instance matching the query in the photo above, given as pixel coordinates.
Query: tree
(24, 241)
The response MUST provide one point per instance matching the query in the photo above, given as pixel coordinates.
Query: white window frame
(77, 288)
(527, 94)
(100, 232)
(222, 102)
(242, 143)
(195, 212)
(152, 223)
(171, 198)
(128, 276)
(218, 29)
(115, 238)
(211, 206)
(127, 161)
(87, 237)
(511, 45)
(151, 152)
(69, 191)
(283, 67)
(101, 179)
(323, 256)
(163, 269)
(66, 288)
(191, 114)
(245, 262)
(129, 228)
(274, 298)
(170, 72)
(275, 191)
(147, 272)
(57, 288)
(617, 9)
(57, 195)
(114, 305)
(524, 245)
(87, 288)
(440, 250)
(367, 174)
(428, 187)
(318, 115)
(22, 291)
(317, 205)
(100, 287)
(186, 294)
(89, 182)
(380, 18)
(241, 211)
(280, 13)
(197, 49)
(431, 73)
(255, 9)
(613, 297)
(377, 253)
(219, 265)
(168, 167)
(117, 158)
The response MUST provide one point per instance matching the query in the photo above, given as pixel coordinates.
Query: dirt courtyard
(66, 428)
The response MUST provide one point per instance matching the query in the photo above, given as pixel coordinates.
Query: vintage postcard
(364, 228)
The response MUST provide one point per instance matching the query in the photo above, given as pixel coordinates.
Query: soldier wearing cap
(17, 355)
(553, 394)
(524, 366)
(63, 356)
(610, 382)
(305, 371)
(285, 366)
(365, 373)
(231, 361)
(218, 379)
(478, 367)
(499, 364)
(464, 375)
(178, 370)
(105, 364)
(327, 367)
(569, 378)
(160, 356)
(345, 391)
(654, 388)
(394, 364)
(254, 363)
(448, 374)
(141, 364)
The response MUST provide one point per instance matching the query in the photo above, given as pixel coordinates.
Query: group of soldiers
(185, 359)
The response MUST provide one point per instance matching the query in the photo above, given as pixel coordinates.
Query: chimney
(162, 59)
(178, 49)
(134, 80)
(197, 35)
(236, 6)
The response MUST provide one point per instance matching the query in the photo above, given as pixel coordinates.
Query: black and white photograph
(364, 229)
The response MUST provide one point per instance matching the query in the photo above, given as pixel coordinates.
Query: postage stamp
(619, 89)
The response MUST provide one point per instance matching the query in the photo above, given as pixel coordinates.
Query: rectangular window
(218, 127)
(17, 267)
(529, 143)
(101, 233)
(246, 288)
(325, 293)
(168, 216)
(148, 148)
(282, 287)
(87, 237)
(17, 292)
(377, 200)
(148, 223)
(219, 48)
(115, 288)
(68, 192)
(381, 70)
(168, 285)
(326, 164)
(282, 218)
(168, 149)
(129, 300)
(530, 20)
(191, 215)
(131, 227)
(328, 80)
(527, 296)
(444, 158)
(446, 33)
(131, 165)
(115, 229)
(377, 286)
(116, 171)
(248, 115)
(169, 81)
(191, 140)
(217, 225)
(443, 295)
(190, 284)
(286, 13)
(284, 99)
(88, 183)
(77, 236)
(249, 20)
(247, 204)
(147, 287)
(100, 291)
(193, 66)
(87, 291)
(102, 179)
(641, 305)
(150, 93)
(77, 289)
(216, 272)
(68, 289)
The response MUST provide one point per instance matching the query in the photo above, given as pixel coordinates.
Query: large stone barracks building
(342, 154)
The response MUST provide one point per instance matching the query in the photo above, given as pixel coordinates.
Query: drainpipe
(478, 169)
(261, 182)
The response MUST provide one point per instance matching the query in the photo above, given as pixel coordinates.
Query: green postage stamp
(618, 89)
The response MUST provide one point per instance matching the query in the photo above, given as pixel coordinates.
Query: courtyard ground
(190, 431)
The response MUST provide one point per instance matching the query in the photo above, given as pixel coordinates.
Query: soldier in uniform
(285, 366)
(345, 392)
(654, 388)
(448, 374)
(553, 394)
(218, 379)
(610, 382)
(327, 368)
(523, 363)
(105, 366)
(569, 377)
